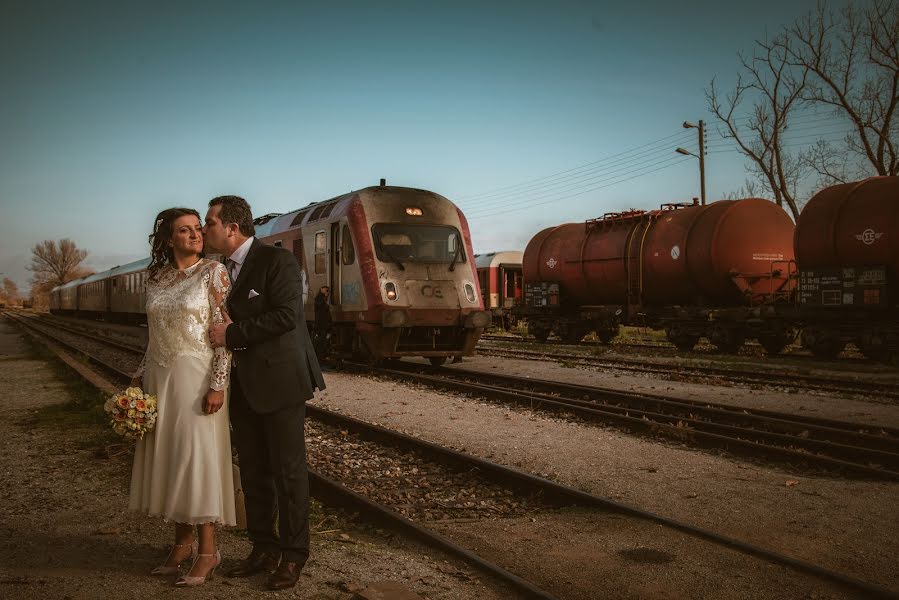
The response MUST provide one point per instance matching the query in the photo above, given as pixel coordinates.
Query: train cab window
(278, 243)
(418, 243)
(321, 252)
(347, 252)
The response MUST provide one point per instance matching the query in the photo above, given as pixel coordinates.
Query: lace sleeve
(219, 286)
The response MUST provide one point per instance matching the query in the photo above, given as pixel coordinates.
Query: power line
(578, 168)
(676, 160)
(632, 160)
(561, 186)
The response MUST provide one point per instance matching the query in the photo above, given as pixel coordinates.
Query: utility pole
(701, 156)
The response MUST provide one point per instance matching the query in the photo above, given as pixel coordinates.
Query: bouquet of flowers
(132, 412)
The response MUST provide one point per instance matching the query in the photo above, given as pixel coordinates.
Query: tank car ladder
(633, 264)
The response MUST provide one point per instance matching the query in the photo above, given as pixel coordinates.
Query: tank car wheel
(685, 342)
(874, 346)
(605, 336)
(774, 343)
(728, 341)
(827, 349)
(875, 352)
(573, 336)
(437, 361)
(541, 333)
(821, 345)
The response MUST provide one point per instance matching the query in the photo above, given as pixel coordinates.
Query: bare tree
(774, 88)
(749, 189)
(54, 263)
(852, 61)
(10, 291)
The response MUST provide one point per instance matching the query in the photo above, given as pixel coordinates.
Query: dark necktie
(231, 265)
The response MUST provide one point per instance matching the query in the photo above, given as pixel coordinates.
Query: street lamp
(700, 156)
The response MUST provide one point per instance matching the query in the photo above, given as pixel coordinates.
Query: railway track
(471, 487)
(703, 349)
(835, 446)
(821, 443)
(795, 381)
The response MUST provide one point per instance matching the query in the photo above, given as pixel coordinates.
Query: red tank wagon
(400, 266)
(847, 252)
(692, 270)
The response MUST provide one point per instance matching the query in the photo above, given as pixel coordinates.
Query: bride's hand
(213, 401)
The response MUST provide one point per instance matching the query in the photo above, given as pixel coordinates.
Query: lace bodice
(181, 306)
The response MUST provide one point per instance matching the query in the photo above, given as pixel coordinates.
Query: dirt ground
(65, 532)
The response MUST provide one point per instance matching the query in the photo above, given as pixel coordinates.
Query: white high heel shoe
(189, 581)
(163, 569)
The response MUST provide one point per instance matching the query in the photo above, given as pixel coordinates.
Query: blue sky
(112, 111)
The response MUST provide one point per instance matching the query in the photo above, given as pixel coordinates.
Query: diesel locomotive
(399, 264)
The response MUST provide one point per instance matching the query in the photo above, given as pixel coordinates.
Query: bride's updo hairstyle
(162, 253)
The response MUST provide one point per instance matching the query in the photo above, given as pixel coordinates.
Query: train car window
(346, 246)
(418, 243)
(278, 243)
(321, 252)
(328, 209)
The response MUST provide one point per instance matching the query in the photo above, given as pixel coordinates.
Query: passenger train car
(118, 294)
(499, 276)
(399, 262)
(400, 267)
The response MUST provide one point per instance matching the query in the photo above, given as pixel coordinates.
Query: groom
(274, 371)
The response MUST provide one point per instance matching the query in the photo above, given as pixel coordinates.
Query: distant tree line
(843, 62)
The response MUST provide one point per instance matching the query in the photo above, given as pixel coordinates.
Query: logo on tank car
(675, 253)
(551, 263)
(868, 236)
(431, 291)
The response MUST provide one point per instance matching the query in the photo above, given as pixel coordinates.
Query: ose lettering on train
(551, 263)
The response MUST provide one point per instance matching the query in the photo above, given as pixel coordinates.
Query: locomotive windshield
(401, 243)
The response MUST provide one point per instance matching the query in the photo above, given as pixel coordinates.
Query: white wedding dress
(182, 469)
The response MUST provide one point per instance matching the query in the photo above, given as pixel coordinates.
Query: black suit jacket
(273, 356)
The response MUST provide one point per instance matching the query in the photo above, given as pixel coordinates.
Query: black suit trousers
(272, 452)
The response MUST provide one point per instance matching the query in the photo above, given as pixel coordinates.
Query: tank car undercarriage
(726, 328)
(827, 334)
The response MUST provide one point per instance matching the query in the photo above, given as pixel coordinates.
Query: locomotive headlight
(469, 293)
(390, 288)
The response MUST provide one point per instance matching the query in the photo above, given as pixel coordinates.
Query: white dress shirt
(239, 256)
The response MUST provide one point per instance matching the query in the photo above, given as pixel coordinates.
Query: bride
(182, 469)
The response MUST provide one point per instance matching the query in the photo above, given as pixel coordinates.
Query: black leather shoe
(258, 561)
(285, 576)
